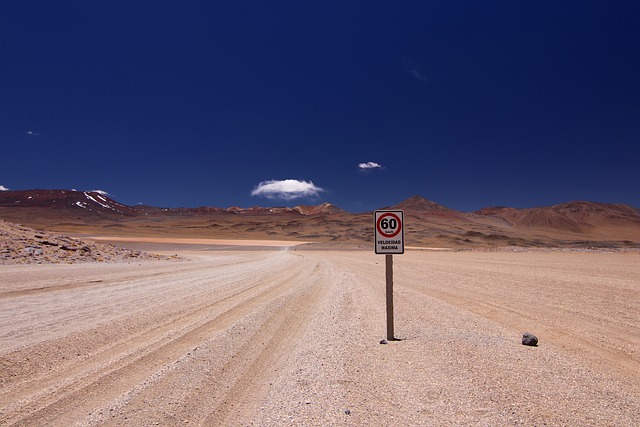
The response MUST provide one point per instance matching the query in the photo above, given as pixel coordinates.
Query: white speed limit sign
(389, 232)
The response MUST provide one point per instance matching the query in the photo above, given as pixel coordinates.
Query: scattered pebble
(529, 339)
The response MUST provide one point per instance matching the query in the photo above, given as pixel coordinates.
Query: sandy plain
(281, 335)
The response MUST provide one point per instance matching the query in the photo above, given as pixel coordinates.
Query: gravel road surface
(292, 337)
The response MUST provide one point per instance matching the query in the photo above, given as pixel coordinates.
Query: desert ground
(275, 335)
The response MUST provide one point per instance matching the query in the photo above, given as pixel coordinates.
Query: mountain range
(427, 223)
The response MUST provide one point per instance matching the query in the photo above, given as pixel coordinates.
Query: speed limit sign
(389, 232)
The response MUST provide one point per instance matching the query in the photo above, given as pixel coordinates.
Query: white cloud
(287, 189)
(369, 165)
(104, 193)
(3, 188)
(31, 133)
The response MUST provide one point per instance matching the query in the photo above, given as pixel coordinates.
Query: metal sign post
(389, 240)
(389, 267)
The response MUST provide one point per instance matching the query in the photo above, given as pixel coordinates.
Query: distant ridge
(579, 217)
(89, 202)
(96, 202)
(572, 224)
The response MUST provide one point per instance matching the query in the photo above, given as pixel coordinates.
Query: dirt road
(291, 337)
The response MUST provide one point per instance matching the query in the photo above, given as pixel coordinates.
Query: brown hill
(617, 221)
(544, 217)
(599, 213)
(418, 205)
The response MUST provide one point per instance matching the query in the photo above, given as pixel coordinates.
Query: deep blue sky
(467, 103)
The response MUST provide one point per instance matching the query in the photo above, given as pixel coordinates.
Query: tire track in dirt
(153, 328)
(53, 315)
(285, 327)
(117, 369)
(222, 380)
(46, 286)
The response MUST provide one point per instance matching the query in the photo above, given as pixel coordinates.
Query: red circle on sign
(395, 233)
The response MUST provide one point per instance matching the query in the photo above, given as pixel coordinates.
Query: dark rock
(383, 342)
(529, 339)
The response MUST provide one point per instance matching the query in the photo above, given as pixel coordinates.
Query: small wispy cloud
(3, 188)
(414, 70)
(104, 193)
(417, 74)
(287, 189)
(369, 165)
(31, 133)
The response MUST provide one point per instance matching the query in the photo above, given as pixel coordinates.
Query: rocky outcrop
(23, 245)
